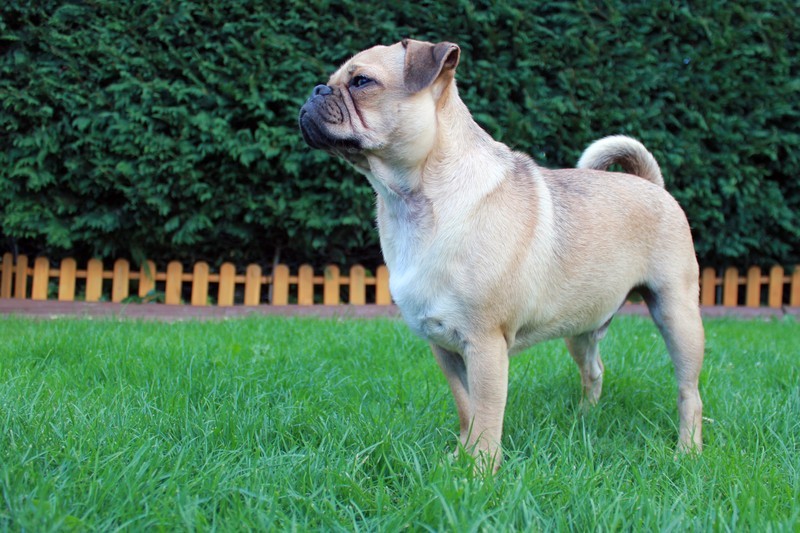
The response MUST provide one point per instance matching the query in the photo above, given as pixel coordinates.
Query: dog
(489, 253)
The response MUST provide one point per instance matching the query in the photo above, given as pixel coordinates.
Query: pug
(489, 253)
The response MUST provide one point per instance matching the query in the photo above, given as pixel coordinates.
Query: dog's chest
(420, 257)
(428, 296)
(430, 305)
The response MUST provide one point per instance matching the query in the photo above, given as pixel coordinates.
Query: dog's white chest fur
(429, 304)
(426, 293)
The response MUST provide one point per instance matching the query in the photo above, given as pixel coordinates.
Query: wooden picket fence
(252, 287)
(41, 281)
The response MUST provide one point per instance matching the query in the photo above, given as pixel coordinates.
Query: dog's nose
(322, 90)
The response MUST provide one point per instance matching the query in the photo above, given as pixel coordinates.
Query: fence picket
(794, 294)
(708, 287)
(331, 286)
(41, 278)
(94, 280)
(382, 294)
(227, 285)
(121, 281)
(730, 287)
(6, 275)
(252, 285)
(280, 285)
(147, 278)
(358, 292)
(200, 284)
(21, 278)
(305, 285)
(753, 298)
(66, 280)
(775, 287)
(172, 292)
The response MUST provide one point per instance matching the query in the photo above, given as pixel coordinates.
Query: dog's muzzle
(321, 111)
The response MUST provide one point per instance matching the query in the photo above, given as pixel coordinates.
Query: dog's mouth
(312, 126)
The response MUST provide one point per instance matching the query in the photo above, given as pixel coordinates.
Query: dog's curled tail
(629, 153)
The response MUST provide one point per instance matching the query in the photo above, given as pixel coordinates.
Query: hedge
(168, 129)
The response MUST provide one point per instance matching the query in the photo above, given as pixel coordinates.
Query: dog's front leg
(487, 378)
(479, 382)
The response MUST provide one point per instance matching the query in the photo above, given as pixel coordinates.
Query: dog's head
(382, 102)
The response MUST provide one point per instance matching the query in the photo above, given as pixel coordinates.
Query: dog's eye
(360, 81)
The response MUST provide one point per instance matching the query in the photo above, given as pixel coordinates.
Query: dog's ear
(427, 62)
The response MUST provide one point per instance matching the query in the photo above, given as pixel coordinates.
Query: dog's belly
(568, 313)
(533, 333)
(530, 334)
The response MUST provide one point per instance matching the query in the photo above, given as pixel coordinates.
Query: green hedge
(168, 129)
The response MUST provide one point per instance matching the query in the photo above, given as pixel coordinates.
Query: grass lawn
(310, 424)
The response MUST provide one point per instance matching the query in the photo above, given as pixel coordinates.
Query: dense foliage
(168, 129)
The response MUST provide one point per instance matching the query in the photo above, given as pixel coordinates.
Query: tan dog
(490, 253)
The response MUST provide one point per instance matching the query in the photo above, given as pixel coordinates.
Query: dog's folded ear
(427, 62)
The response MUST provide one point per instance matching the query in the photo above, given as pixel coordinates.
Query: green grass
(308, 424)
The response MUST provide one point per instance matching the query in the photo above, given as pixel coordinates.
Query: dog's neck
(445, 171)
(415, 201)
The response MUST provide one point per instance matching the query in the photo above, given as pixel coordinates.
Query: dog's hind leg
(676, 312)
(455, 371)
(585, 351)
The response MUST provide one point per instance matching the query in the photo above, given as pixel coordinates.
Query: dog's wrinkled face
(381, 103)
